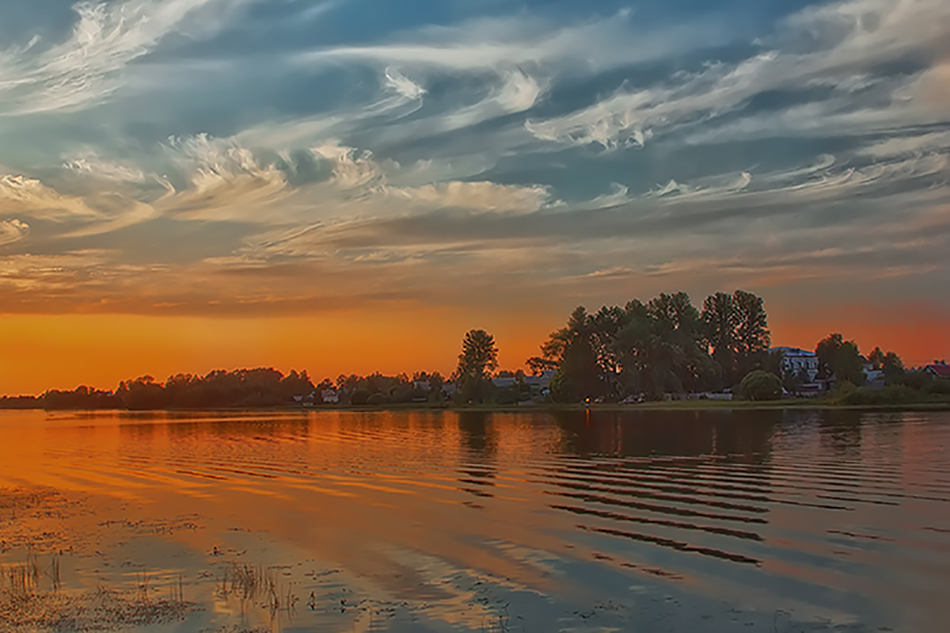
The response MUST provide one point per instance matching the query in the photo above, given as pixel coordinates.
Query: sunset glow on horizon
(189, 185)
(63, 352)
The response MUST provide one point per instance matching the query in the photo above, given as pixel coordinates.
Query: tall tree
(840, 359)
(876, 358)
(893, 367)
(736, 331)
(752, 324)
(719, 325)
(479, 358)
(825, 351)
(574, 349)
(678, 324)
(659, 347)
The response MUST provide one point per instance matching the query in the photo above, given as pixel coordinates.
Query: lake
(441, 521)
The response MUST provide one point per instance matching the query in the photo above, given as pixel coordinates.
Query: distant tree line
(244, 388)
(841, 361)
(639, 351)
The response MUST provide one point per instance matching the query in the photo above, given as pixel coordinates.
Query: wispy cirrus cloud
(12, 231)
(842, 47)
(106, 38)
(21, 194)
(521, 154)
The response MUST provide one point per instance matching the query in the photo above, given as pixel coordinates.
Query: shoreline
(681, 405)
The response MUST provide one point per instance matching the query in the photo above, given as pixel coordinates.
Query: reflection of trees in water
(478, 433)
(743, 436)
(480, 441)
(688, 481)
(138, 431)
(840, 432)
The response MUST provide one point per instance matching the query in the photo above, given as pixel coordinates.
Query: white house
(794, 360)
(330, 396)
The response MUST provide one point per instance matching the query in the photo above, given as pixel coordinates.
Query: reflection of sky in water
(427, 521)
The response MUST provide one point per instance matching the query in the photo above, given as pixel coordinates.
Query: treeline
(668, 346)
(244, 388)
(663, 346)
(638, 351)
(841, 361)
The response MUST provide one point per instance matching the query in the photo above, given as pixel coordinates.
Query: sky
(350, 185)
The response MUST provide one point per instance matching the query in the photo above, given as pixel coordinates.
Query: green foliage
(922, 392)
(84, 398)
(939, 387)
(478, 359)
(360, 396)
(507, 396)
(840, 359)
(736, 330)
(841, 392)
(761, 385)
(893, 367)
(890, 395)
(655, 348)
(377, 399)
(575, 350)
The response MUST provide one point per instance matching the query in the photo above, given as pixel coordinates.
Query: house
(795, 360)
(504, 382)
(330, 396)
(873, 378)
(540, 382)
(939, 369)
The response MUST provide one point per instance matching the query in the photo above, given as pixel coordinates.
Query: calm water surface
(640, 521)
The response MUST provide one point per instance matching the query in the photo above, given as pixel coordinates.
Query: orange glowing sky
(64, 351)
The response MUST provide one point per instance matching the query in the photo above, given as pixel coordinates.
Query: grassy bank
(673, 405)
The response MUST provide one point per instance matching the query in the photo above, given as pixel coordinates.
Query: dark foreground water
(641, 521)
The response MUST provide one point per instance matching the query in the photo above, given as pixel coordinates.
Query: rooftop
(939, 369)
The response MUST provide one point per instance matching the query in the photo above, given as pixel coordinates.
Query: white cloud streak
(832, 45)
(12, 230)
(106, 38)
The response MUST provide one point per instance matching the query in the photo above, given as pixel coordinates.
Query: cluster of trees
(650, 349)
(377, 389)
(219, 389)
(842, 361)
(663, 346)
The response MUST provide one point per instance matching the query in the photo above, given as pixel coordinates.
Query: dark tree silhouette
(736, 331)
(839, 359)
(479, 358)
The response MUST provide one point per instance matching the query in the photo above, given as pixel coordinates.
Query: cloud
(23, 195)
(403, 85)
(106, 38)
(351, 169)
(399, 97)
(91, 165)
(524, 41)
(226, 182)
(517, 155)
(478, 196)
(12, 231)
(840, 45)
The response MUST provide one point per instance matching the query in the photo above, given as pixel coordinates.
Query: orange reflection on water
(765, 507)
